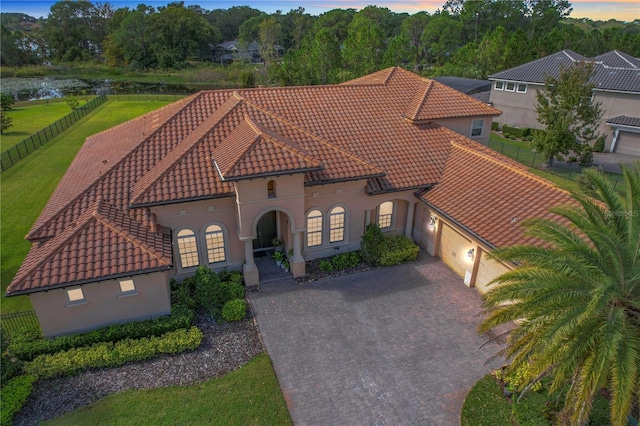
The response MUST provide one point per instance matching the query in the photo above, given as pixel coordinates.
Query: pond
(25, 89)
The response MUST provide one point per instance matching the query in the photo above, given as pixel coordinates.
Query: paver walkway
(393, 346)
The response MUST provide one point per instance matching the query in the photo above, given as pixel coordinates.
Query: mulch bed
(225, 347)
(313, 272)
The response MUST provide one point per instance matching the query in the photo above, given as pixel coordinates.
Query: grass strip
(248, 396)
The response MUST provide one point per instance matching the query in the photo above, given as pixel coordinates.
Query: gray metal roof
(614, 71)
(623, 120)
(468, 86)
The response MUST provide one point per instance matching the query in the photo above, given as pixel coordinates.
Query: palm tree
(575, 299)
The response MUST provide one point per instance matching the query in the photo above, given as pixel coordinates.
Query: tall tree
(566, 109)
(230, 20)
(365, 44)
(130, 44)
(178, 32)
(576, 299)
(270, 33)
(413, 27)
(441, 37)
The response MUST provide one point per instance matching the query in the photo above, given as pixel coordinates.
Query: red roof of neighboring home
(490, 195)
(377, 128)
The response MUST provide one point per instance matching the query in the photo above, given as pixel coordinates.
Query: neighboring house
(617, 88)
(234, 51)
(479, 89)
(213, 178)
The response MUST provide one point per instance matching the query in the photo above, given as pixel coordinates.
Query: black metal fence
(160, 97)
(16, 322)
(563, 169)
(17, 152)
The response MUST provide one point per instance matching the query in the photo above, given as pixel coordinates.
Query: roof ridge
(61, 239)
(494, 159)
(109, 170)
(108, 222)
(161, 168)
(315, 137)
(285, 143)
(423, 99)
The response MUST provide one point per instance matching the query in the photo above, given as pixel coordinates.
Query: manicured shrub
(572, 159)
(326, 266)
(27, 346)
(14, 394)
(108, 354)
(235, 276)
(345, 260)
(228, 291)
(234, 310)
(598, 146)
(494, 125)
(206, 288)
(9, 366)
(398, 249)
(516, 132)
(586, 156)
(372, 244)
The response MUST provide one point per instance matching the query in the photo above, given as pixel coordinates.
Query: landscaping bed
(225, 347)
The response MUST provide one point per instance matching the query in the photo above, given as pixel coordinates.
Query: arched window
(187, 248)
(336, 224)
(314, 228)
(385, 214)
(214, 238)
(271, 189)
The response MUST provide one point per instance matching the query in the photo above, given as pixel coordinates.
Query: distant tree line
(465, 38)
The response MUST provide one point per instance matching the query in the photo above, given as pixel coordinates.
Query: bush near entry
(386, 250)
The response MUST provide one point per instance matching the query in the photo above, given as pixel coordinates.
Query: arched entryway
(266, 232)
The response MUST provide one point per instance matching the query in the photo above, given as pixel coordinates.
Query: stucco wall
(104, 304)
(615, 105)
(518, 109)
(463, 127)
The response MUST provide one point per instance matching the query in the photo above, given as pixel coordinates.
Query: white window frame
(513, 87)
(496, 87)
(474, 128)
(127, 287)
(209, 248)
(342, 228)
(75, 296)
(386, 216)
(317, 218)
(271, 192)
(190, 254)
(521, 85)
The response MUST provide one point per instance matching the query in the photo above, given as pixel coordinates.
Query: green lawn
(27, 186)
(30, 118)
(248, 396)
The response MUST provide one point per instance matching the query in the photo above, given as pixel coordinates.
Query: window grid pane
(188, 249)
(385, 214)
(476, 127)
(314, 229)
(336, 227)
(384, 221)
(215, 245)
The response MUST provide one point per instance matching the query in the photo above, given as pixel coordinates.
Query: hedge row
(14, 394)
(386, 250)
(25, 348)
(108, 354)
(516, 131)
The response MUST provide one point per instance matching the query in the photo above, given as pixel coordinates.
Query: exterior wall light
(432, 222)
(470, 253)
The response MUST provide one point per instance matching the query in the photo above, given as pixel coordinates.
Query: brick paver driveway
(392, 346)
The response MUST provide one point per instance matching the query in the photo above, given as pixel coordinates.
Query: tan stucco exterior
(104, 304)
(463, 127)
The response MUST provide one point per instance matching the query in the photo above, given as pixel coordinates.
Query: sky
(623, 10)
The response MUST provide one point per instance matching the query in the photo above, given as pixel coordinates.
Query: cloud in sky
(624, 10)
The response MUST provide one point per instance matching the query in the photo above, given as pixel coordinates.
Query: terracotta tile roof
(102, 243)
(253, 150)
(490, 194)
(436, 101)
(354, 131)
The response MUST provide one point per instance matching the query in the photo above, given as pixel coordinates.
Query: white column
(408, 226)
(249, 269)
(367, 217)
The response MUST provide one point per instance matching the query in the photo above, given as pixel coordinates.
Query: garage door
(488, 269)
(453, 250)
(628, 143)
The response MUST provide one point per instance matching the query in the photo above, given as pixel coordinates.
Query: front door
(266, 231)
